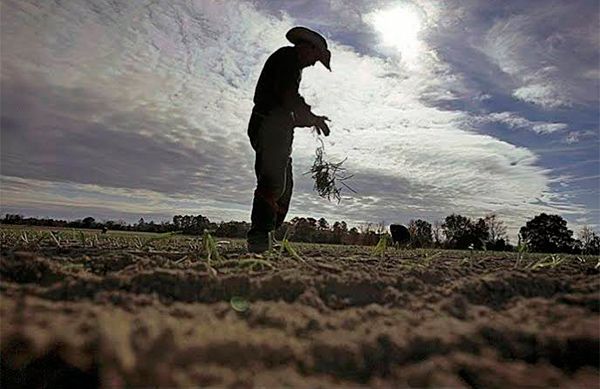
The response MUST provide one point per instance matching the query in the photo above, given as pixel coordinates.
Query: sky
(128, 109)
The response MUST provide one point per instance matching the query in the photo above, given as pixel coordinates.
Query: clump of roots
(329, 177)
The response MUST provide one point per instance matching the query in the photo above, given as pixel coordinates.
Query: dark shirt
(279, 81)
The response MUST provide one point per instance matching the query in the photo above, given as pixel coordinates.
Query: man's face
(309, 54)
(314, 55)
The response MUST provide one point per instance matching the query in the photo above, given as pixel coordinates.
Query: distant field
(128, 309)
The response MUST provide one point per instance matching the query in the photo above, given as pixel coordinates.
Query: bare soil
(117, 318)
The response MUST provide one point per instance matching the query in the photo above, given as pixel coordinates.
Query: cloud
(577, 136)
(523, 55)
(546, 51)
(546, 95)
(514, 121)
(144, 109)
(74, 200)
(126, 149)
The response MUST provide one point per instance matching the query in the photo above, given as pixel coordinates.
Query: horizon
(114, 110)
(132, 221)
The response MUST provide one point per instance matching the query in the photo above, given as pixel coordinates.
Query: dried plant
(328, 176)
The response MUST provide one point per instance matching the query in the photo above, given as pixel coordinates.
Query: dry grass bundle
(329, 177)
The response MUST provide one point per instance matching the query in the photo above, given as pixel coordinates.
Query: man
(278, 109)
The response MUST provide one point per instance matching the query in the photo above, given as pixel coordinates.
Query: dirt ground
(117, 317)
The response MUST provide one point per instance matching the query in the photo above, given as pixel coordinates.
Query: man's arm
(287, 83)
(303, 117)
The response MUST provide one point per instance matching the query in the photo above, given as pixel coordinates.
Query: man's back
(279, 80)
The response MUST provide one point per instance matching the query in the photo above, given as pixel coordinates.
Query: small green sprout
(287, 247)
(55, 238)
(381, 246)
(210, 246)
(255, 262)
(239, 304)
(160, 237)
(551, 261)
(82, 238)
(521, 250)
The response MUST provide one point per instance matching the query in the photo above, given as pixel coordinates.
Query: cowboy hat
(302, 34)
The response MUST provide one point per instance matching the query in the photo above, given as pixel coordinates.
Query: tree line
(543, 233)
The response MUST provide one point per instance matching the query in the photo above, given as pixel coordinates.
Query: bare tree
(590, 241)
(496, 227)
(586, 235)
(380, 228)
(437, 232)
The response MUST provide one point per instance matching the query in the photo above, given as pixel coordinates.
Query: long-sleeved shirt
(278, 84)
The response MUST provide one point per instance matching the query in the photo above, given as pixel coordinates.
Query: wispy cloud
(517, 122)
(577, 136)
(63, 200)
(547, 52)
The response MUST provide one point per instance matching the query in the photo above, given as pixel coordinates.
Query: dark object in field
(400, 234)
(104, 230)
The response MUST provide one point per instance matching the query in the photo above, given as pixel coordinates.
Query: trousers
(271, 137)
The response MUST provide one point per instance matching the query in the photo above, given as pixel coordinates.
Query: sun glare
(399, 27)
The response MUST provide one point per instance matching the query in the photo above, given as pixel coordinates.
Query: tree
(455, 227)
(420, 233)
(479, 234)
(462, 233)
(200, 223)
(340, 230)
(369, 233)
(190, 224)
(232, 229)
(12, 219)
(437, 231)
(497, 238)
(590, 241)
(88, 222)
(352, 237)
(547, 234)
(178, 222)
(496, 227)
(323, 225)
(304, 229)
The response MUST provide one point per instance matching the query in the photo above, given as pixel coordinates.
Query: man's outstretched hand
(321, 126)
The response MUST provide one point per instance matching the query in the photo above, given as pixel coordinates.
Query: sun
(399, 27)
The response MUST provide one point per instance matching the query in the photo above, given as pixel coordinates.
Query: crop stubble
(120, 316)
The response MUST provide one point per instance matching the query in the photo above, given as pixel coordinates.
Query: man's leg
(271, 176)
(263, 220)
(283, 203)
(273, 148)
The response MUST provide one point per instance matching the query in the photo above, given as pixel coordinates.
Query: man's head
(311, 46)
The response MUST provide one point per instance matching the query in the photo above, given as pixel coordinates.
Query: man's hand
(321, 126)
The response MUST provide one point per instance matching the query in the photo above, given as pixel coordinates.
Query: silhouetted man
(278, 109)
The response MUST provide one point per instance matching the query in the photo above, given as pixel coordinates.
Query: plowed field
(119, 311)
